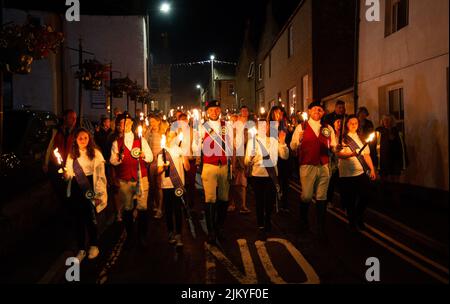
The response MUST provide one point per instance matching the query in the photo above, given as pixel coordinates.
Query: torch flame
(196, 114)
(371, 137)
(180, 136)
(163, 141)
(141, 116)
(305, 116)
(147, 123)
(58, 156)
(262, 110)
(165, 117)
(140, 131)
(292, 110)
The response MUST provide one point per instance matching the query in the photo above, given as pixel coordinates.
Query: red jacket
(214, 159)
(127, 170)
(314, 150)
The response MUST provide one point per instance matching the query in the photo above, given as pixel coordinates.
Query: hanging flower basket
(92, 75)
(21, 45)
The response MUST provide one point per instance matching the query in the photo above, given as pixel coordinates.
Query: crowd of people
(150, 166)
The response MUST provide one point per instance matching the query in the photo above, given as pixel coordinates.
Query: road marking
(247, 260)
(311, 275)
(242, 278)
(395, 242)
(267, 264)
(397, 253)
(103, 276)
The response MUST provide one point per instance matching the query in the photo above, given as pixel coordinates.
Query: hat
(212, 103)
(123, 115)
(316, 104)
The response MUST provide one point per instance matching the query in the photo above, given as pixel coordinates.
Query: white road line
(242, 278)
(404, 247)
(267, 264)
(397, 253)
(247, 260)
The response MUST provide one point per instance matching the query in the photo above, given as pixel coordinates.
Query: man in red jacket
(131, 155)
(314, 143)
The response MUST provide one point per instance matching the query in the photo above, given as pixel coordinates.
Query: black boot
(304, 209)
(143, 228)
(321, 210)
(127, 218)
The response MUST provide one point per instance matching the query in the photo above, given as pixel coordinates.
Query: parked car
(25, 140)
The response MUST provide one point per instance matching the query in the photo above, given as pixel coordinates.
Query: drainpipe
(356, 55)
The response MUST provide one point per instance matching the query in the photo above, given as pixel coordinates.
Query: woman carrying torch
(355, 169)
(85, 172)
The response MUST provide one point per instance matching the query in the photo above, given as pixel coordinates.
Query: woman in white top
(354, 173)
(262, 184)
(85, 172)
(172, 202)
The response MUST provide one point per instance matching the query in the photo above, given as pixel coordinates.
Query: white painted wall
(119, 39)
(417, 58)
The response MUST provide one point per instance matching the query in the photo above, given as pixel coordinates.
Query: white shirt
(177, 156)
(315, 125)
(350, 167)
(128, 141)
(272, 146)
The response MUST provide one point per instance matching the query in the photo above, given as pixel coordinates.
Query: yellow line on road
(103, 276)
(396, 252)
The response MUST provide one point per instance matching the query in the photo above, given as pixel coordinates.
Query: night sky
(197, 29)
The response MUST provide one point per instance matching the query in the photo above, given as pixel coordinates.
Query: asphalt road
(286, 257)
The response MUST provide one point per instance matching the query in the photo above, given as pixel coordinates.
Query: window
(290, 41)
(397, 15)
(292, 98)
(230, 89)
(260, 72)
(154, 83)
(396, 107)
(251, 69)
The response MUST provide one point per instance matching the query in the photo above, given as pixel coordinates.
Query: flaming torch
(180, 138)
(59, 159)
(253, 132)
(368, 140)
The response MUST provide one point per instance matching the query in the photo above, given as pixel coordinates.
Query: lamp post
(213, 85)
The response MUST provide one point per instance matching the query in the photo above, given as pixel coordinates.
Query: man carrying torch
(131, 154)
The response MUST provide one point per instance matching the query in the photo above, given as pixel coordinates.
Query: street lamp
(165, 8)
(213, 86)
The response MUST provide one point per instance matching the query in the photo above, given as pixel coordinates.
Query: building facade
(403, 71)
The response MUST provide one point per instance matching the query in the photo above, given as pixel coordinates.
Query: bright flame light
(262, 110)
(212, 57)
(292, 110)
(164, 117)
(180, 136)
(371, 137)
(196, 114)
(163, 141)
(147, 123)
(253, 131)
(58, 156)
(140, 131)
(305, 116)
